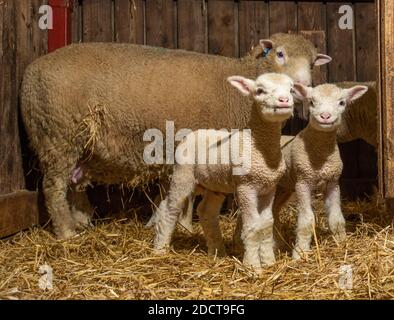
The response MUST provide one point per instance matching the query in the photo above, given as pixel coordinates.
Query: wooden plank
(366, 41)
(222, 32)
(97, 21)
(18, 211)
(387, 45)
(340, 47)
(129, 21)
(192, 16)
(32, 42)
(342, 68)
(253, 24)
(282, 16)
(76, 20)
(380, 111)
(160, 23)
(366, 53)
(11, 168)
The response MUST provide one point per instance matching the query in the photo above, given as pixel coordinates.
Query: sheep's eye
(312, 104)
(260, 91)
(342, 103)
(280, 54)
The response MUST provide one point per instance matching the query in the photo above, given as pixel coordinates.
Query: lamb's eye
(312, 104)
(260, 91)
(342, 103)
(280, 54)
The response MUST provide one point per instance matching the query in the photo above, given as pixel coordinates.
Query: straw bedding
(114, 260)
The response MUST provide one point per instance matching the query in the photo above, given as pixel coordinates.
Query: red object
(60, 35)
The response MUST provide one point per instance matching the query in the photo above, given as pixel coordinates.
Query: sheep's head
(327, 103)
(271, 91)
(290, 54)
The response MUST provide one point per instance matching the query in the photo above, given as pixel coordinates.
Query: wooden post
(18, 207)
(386, 82)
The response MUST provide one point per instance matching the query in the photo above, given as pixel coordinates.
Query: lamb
(313, 161)
(87, 106)
(255, 187)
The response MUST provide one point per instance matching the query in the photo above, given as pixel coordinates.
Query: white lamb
(313, 161)
(272, 104)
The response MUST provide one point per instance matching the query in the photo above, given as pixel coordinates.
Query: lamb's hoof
(268, 261)
(161, 251)
(340, 236)
(298, 253)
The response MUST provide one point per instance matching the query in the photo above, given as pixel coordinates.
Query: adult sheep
(86, 108)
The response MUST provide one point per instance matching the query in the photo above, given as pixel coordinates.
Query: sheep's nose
(283, 99)
(325, 115)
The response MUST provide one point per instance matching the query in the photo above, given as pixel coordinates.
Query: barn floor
(114, 261)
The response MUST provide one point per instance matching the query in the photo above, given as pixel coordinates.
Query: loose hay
(115, 261)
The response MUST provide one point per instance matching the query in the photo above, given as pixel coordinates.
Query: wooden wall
(225, 27)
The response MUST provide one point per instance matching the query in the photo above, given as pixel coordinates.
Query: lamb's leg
(182, 185)
(208, 211)
(257, 220)
(55, 191)
(336, 221)
(281, 197)
(266, 220)
(306, 220)
(81, 210)
(186, 217)
(237, 241)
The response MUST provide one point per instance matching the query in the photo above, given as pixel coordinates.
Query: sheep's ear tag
(266, 51)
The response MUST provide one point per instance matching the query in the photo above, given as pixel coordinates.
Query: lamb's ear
(322, 59)
(355, 92)
(302, 92)
(244, 85)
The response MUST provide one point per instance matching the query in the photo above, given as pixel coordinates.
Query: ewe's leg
(281, 197)
(182, 185)
(257, 227)
(208, 211)
(306, 220)
(336, 221)
(55, 191)
(81, 210)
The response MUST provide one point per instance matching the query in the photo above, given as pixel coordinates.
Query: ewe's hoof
(66, 234)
